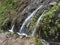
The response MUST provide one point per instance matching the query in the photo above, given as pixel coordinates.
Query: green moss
(51, 13)
(9, 33)
(1, 31)
(38, 42)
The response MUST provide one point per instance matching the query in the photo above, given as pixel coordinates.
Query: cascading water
(28, 24)
(11, 30)
(37, 23)
(28, 19)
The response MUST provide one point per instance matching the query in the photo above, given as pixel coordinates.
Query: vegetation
(1, 31)
(38, 41)
(49, 27)
(7, 8)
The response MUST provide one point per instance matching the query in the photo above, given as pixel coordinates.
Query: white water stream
(11, 30)
(37, 23)
(27, 20)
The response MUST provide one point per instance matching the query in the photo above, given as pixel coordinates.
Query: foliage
(1, 31)
(5, 24)
(38, 42)
(49, 26)
(7, 7)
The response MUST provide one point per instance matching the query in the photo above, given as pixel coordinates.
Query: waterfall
(37, 23)
(28, 24)
(28, 19)
(11, 30)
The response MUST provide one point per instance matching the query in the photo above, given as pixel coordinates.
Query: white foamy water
(11, 30)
